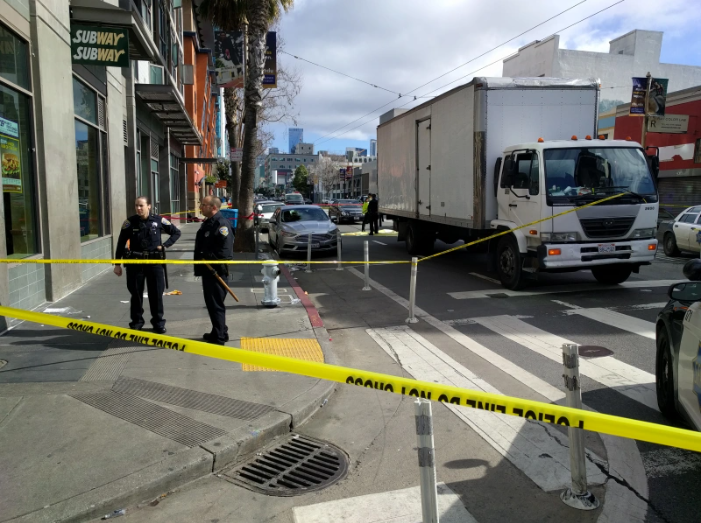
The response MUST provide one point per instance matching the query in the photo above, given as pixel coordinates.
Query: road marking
(618, 320)
(622, 377)
(397, 506)
(658, 305)
(624, 459)
(467, 295)
(478, 275)
(539, 451)
(570, 305)
(381, 243)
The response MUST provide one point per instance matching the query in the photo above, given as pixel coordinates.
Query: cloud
(402, 44)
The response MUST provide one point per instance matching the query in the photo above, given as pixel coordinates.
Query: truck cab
(567, 179)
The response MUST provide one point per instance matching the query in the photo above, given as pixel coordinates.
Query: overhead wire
(470, 73)
(329, 135)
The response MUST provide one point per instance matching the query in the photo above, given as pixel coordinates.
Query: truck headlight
(559, 236)
(644, 233)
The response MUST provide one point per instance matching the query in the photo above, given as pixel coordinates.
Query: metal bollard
(427, 462)
(271, 275)
(257, 242)
(338, 250)
(366, 254)
(412, 291)
(577, 496)
(309, 253)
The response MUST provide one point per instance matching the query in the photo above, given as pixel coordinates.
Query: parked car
(681, 233)
(268, 208)
(307, 201)
(678, 360)
(346, 211)
(289, 228)
(294, 199)
(663, 216)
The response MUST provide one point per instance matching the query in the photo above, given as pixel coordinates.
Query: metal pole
(412, 291)
(366, 255)
(338, 250)
(309, 253)
(427, 462)
(257, 241)
(578, 496)
(647, 98)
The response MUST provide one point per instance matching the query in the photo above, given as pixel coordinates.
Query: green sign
(99, 45)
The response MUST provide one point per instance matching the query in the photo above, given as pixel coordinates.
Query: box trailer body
(439, 165)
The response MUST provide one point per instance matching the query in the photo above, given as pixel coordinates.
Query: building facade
(295, 136)
(632, 55)
(87, 123)
(679, 182)
(279, 168)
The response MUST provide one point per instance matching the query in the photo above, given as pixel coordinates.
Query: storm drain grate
(295, 466)
(152, 417)
(594, 351)
(191, 399)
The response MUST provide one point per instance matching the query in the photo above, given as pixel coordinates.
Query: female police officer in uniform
(143, 230)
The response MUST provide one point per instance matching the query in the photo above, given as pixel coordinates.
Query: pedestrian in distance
(365, 213)
(143, 232)
(378, 216)
(372, 214)
(214, 241)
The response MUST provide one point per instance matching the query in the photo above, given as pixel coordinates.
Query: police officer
(214, 241)
(143, 231)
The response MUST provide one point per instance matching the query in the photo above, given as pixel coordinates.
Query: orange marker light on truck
(540, 140)
(652, 247)
(533, 232)
(574, 136)
(554, 252)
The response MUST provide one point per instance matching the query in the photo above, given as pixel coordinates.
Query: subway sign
(99, 45)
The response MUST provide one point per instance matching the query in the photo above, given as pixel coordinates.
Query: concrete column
(164, 176)
(130, 160)
(117, 149)
(184, 200)
(55, 133)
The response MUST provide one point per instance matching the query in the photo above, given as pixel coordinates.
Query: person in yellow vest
(365, 212)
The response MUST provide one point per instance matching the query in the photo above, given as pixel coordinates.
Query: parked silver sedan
(290, 226)
(267, 210)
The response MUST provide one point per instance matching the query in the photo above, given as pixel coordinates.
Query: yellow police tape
(529, 224)
(522, 408)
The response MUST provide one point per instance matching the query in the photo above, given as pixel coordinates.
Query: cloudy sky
(399, 45)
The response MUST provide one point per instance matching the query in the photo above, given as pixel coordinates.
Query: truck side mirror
(653, 162)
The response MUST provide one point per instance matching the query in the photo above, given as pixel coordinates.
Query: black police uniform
(215, 241)
(144, 237)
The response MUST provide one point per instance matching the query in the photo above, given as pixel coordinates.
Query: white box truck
(498, 153)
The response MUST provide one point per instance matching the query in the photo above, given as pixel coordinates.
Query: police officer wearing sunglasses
(143, 232)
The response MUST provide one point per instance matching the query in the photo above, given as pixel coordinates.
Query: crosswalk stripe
(622, 377)
(618, 320)
(539, 450)
(556, 289)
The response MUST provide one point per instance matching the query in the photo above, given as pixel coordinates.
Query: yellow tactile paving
(300, 348)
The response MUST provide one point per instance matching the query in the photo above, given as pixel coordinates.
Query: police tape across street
(496, 403)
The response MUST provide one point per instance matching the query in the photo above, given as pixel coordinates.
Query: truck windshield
(587, 174)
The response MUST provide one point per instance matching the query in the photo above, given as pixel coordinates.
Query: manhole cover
(593, 351)
(296, 465)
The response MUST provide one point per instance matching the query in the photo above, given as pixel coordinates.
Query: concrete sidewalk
(89, 425)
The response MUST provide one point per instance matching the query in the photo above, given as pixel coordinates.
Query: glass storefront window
(14, 59)
(88, 162)
(18, 179)
(84, 101)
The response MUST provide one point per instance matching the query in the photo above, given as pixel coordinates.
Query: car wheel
(611, 274)
(670, 245)
(510, 264)
(664, 376)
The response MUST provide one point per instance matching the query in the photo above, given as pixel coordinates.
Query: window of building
(92, 162)
(14, 65)
(18, 178)
(697, 151)
(174, 185)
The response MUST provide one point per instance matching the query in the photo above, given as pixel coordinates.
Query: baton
(221, 281)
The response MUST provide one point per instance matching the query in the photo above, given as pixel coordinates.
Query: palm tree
(256, 16)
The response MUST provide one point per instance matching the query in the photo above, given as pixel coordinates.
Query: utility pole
(645, 117)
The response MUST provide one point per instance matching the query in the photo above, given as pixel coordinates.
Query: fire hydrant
(271, 275)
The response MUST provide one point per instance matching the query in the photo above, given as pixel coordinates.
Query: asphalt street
(474, 334)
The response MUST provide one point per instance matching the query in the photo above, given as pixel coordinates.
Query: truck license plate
(606, 248)
(315, 245)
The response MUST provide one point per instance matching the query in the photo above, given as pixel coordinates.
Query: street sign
(669, 124)
(236, 154)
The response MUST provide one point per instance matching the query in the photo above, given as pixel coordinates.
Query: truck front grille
(607, 227)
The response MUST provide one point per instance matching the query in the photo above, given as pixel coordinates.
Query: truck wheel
(510, 264)
(611, 274)
(664, 377)
(418, 240)
(670, 245)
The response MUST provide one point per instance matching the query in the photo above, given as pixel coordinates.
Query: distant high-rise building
(273, 150)
(296, 135)
(373, 147)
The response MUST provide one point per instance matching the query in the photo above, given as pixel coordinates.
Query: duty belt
(145, 255)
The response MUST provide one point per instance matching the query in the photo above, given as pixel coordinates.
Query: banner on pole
(228, 58)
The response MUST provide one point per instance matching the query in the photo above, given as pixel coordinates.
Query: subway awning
(166, 105)
(97, 12)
